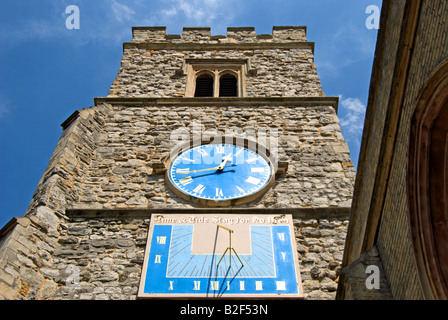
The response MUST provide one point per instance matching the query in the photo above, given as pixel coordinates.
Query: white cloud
(199, 12)
(121, 12)
(117, 17)
(50, 23)
(352, 122)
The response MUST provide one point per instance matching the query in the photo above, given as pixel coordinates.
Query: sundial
(220, 256)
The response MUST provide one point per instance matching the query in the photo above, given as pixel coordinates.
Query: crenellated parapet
(234, 35)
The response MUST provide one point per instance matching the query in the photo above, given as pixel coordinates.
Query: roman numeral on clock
(199, 189)
(186, 180)
(219, 149)
(197, 285)
(253, 180)
(239, 151)
(219, 192)
(214, 285)
(251, 160)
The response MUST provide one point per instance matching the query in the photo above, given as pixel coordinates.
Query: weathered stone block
(106, 243)
(47, 215)
(105, 276)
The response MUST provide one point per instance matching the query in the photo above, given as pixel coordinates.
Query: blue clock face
(219, 172)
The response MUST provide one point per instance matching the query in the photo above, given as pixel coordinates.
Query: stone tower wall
(279, 65)
(84, 234)
(135, 138)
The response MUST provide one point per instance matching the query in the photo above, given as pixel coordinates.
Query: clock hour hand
(226, 159)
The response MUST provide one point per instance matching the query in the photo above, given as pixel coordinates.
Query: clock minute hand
(215, 168)
(227, 158)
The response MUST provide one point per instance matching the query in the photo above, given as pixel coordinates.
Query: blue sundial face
(221, 256)
(219, 172)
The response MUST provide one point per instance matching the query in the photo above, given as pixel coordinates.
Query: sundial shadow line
(221, 291)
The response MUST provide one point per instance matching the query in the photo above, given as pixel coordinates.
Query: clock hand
(215, 168)
(226, 159)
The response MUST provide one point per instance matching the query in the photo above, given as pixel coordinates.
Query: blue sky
(48, 71)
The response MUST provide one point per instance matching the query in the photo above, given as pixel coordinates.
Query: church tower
(215, 167)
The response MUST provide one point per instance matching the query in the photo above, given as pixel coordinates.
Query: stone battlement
(234, 35)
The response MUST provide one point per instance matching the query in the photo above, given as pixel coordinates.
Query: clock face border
(159, 281)
(236, 141)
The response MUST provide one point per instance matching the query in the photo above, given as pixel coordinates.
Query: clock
(214, 255)
(221, 174)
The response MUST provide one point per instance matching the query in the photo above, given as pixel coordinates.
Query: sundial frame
(217, 255)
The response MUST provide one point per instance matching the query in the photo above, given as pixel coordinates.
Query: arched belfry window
(216, 77)
(204, 85)
(228, 85)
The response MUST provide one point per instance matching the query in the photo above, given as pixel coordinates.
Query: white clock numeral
(203, 152)
(239, 151)
(182, 170)
(199, 189)
(161, 240)
(242, 285)
(219, 149)
(259, 285)
(257, 169)
(214, 285)
(171, 285)
(197, 285)
(281, 236)
(186, 180)
(253, 180)
(219, 192)
(186, 159)
(283, 255)
(158, 259)
(240, 190)
(281, 285)
(251, 160)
